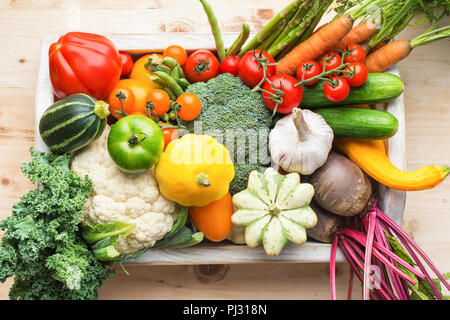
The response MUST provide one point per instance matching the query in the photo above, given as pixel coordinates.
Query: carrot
(388, 55)
(379, 45)
(398, 50)
(319, 43)
(359, 34)
(214, 219)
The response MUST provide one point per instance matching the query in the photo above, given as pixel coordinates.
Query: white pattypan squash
(274, 209)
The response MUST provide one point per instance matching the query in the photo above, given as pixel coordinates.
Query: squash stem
(445, 171)
(101, 109)
(202, 179)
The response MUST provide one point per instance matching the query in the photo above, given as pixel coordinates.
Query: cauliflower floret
(118, 196)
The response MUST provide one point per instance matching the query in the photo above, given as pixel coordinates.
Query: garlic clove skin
(300, 142)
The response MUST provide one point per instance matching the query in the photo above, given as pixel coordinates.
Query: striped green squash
(73, 122)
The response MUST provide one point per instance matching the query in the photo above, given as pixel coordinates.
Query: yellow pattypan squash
(194, 170)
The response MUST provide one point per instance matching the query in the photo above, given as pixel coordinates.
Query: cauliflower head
(118, 196)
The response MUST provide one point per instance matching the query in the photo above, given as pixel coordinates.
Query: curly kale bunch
(42, 247)
(238, 118)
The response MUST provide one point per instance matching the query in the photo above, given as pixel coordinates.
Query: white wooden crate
(392, 202)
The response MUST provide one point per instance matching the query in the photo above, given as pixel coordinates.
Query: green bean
(183, 83)
(174, 74)
(215, 29)
(164, 69)
(180, 72)
(170, 62)
(240, 40)
(170, 83)
(157, 83)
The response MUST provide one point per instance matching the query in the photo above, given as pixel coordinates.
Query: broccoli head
(238, 118)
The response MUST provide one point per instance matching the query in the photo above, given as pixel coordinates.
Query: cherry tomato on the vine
(307, 70)
(201, 65)
(158, 102)
(132, 94)
(127, 63)
(282, 91)
(230, 65)
(357, 53)
(360, 74)
(176, 52)
(336, 89)
(251, 71)
(170, 134)
(189, 106)
(331, 60)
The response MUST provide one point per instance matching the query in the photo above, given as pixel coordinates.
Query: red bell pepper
(84, 63)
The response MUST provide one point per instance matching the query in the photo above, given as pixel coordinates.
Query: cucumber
(72, 123)
(359, 123)
(378, 88)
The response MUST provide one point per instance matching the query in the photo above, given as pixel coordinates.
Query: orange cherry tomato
(169, 134)
(135, 93)
(138, 113)
(214, 219)
(189, 106)
(158, 102)
(142, 67)
(176, 52)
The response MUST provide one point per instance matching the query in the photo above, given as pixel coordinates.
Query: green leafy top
(422, 289)
(42, 247)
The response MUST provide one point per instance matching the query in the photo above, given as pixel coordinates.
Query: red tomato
(336, 89)
(331, 60)
(311, 69)
(249, 71)
(290, 99)
(84, 63)
(357, 53)
(360, 74)
(201, 65)
(127, 63)
(170, 134)
(230, 65)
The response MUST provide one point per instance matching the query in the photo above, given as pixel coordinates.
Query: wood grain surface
(427, 100)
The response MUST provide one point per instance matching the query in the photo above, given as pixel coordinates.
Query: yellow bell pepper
(194, 170)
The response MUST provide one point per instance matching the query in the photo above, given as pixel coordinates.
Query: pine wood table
(427, 99)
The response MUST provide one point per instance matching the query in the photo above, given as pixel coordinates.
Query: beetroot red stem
(368, 254)
(361, 238)
(389, 295)
(419, 264)
(402, 234)
(350, 285)
(333, 267)
(395, 280)
(356, 271)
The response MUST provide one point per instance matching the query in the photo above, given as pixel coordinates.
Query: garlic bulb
(300, 142)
